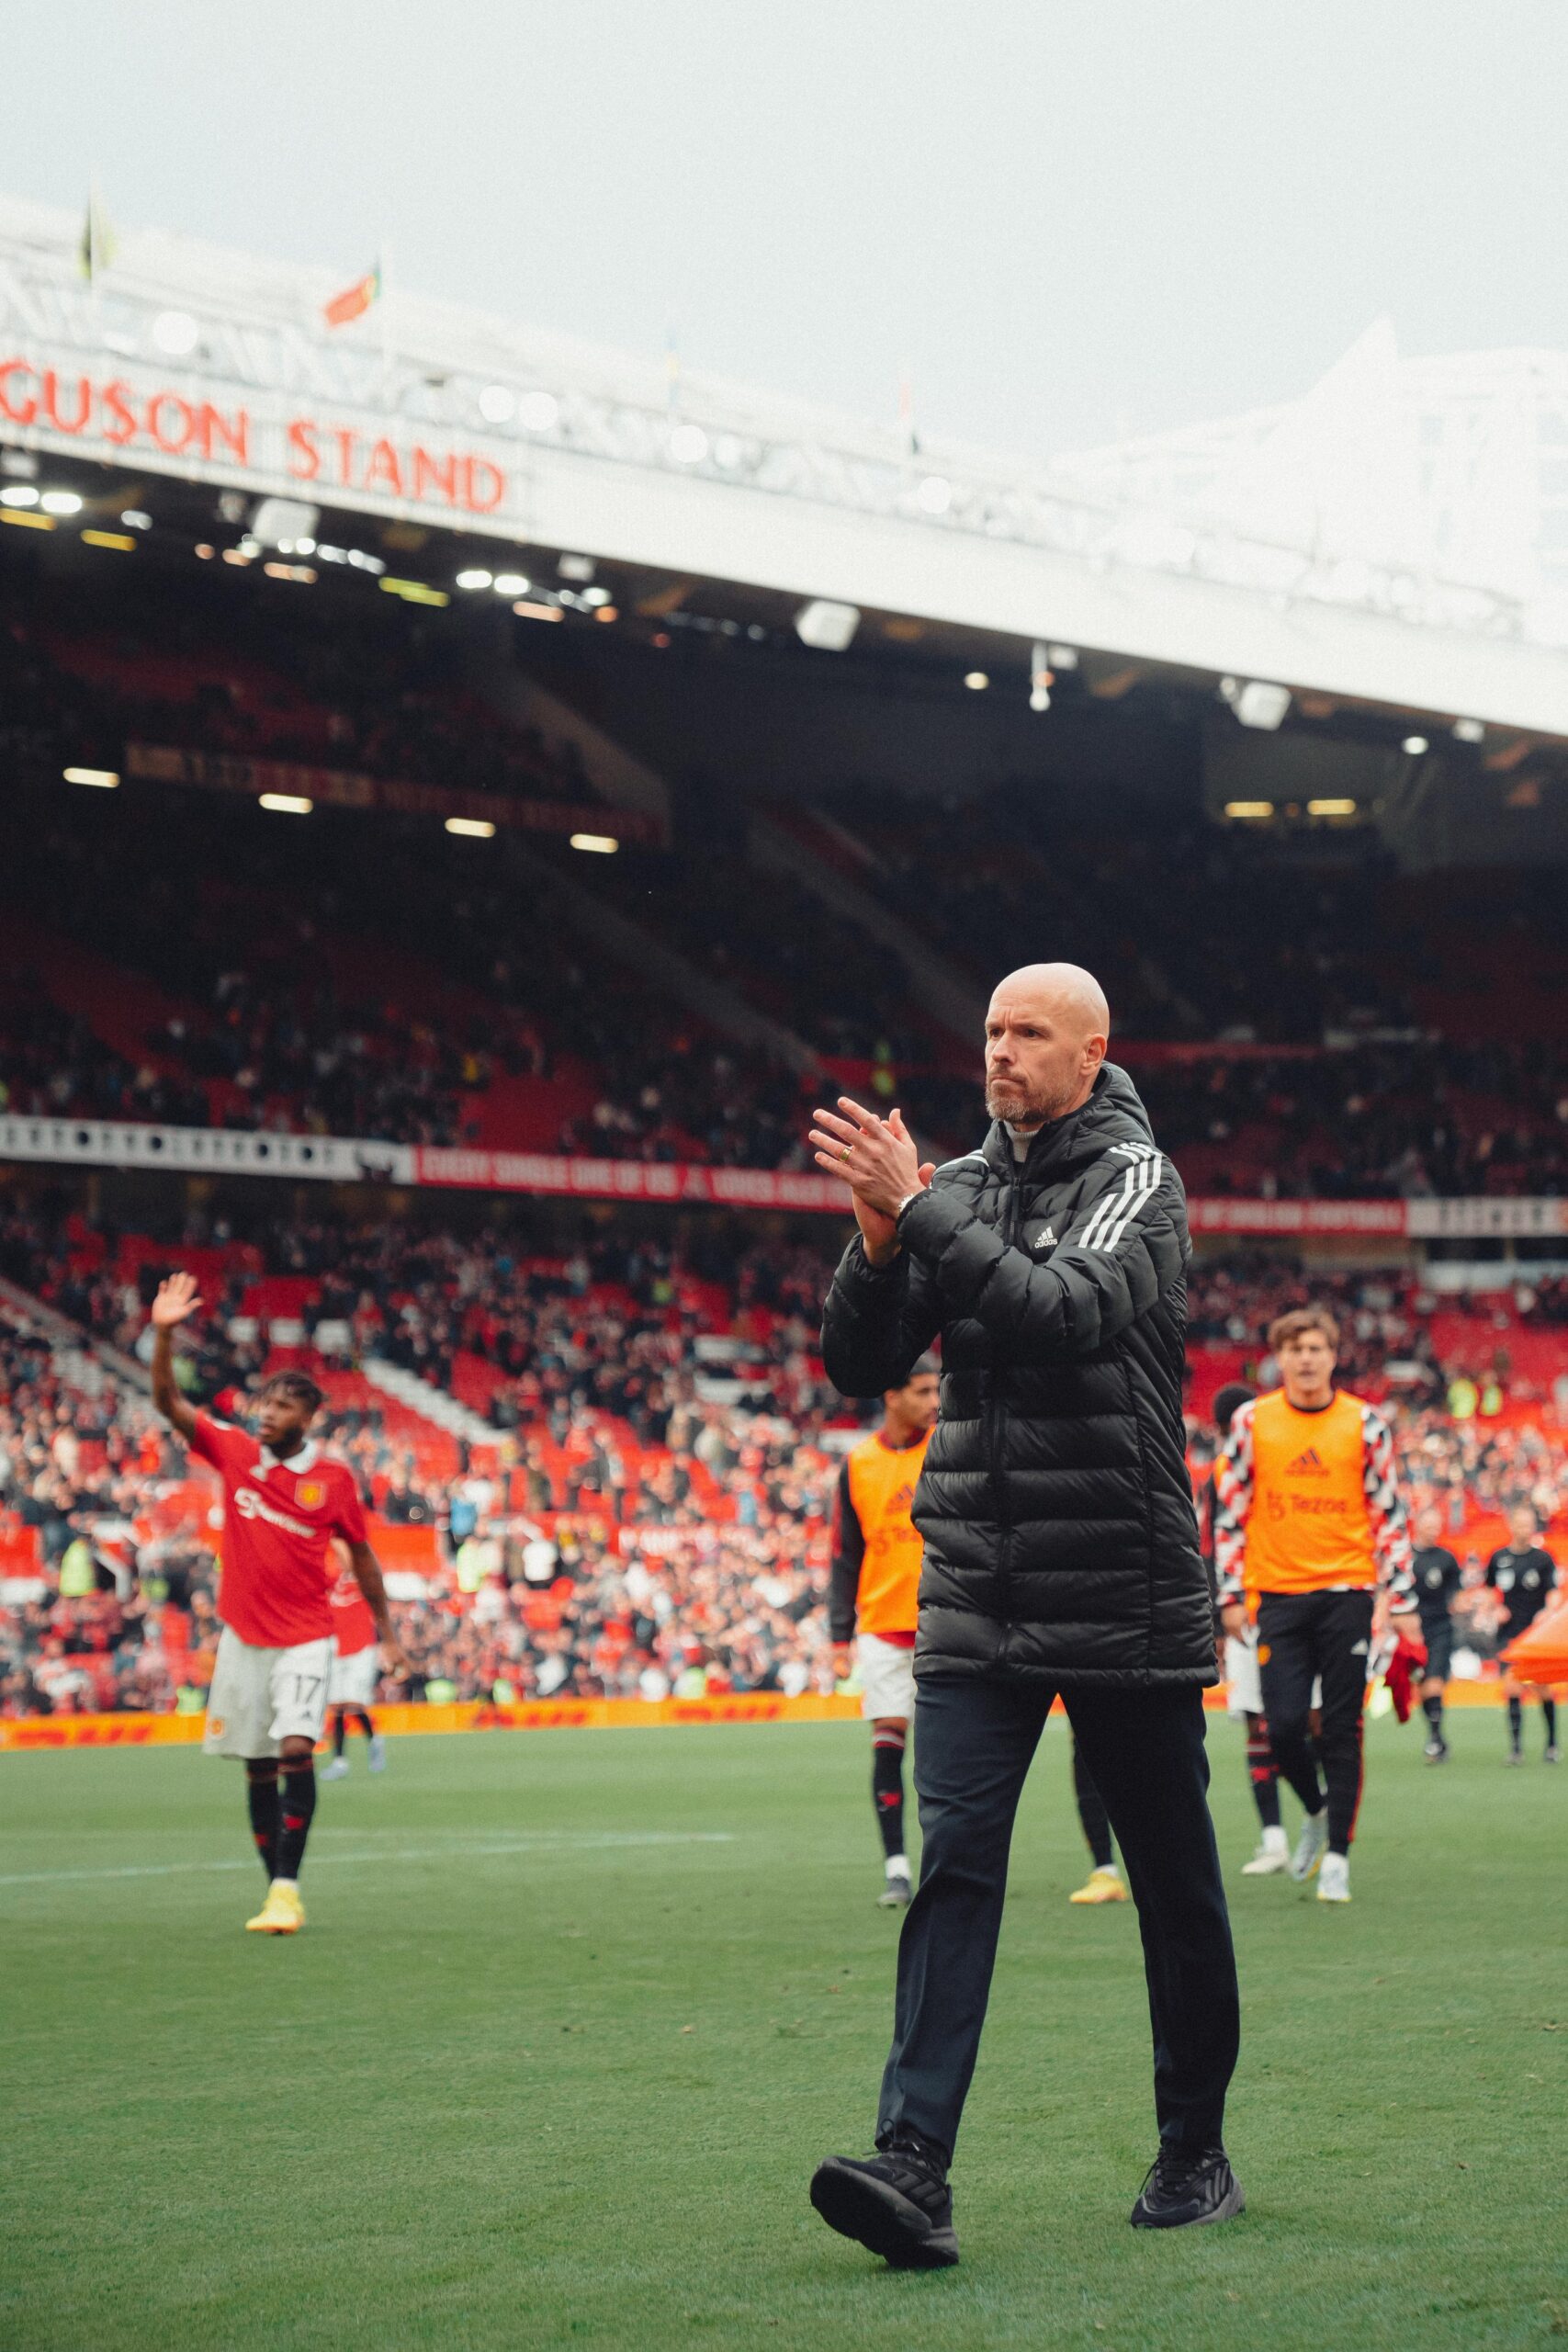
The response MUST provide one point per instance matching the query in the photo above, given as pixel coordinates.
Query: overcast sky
(1070, 220)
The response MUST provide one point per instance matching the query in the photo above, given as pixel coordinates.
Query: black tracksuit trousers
(1304, 1637)
(973, 1742)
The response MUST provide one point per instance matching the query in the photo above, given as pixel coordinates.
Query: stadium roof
(1389, 538)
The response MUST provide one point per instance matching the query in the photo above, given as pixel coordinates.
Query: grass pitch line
(526, 1842)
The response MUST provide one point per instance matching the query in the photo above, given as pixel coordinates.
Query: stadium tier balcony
(1326, 1028)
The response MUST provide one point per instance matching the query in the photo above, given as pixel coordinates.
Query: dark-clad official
(1061, 1555)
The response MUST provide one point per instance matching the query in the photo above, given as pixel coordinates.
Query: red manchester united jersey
(351, 1621)
(279, 1519)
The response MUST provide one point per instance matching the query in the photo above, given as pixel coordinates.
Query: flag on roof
(355, 300)
(97, 249)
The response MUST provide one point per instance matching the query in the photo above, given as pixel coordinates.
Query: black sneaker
(1185, 2186)
(1436, 1751)
(896, 2202)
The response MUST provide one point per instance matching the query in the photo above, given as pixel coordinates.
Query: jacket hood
(1113, 1114)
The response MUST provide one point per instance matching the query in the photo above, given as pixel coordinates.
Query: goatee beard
(1025, 1111)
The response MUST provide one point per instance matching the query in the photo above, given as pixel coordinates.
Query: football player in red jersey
(355, 1670)
(284, 1500)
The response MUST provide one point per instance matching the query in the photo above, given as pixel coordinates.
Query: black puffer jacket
(1060, 1543)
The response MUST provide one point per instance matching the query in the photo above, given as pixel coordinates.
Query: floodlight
(177, 333)
(277, 519)
(1262, 706)
(826, 627)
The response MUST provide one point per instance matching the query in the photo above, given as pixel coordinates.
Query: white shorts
(260, 1698)
(353, 1677)
(1243, 1684)
(887, 1678)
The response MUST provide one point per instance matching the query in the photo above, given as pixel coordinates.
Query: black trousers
(1303, 1636)
(1093, 1815)
(974, 1744)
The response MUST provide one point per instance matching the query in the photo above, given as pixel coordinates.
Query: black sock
(887, 1785)
(1516, 1723)
(1093, 1819)
(298, 1802)
(340, 1729)
(1263, 1772)
(261, 1789)
(1548, 1713)
(1433, 1710)
(362, 1720)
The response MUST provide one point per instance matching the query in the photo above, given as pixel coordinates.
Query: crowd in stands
(261, 679)
(359, 979)
(1370, 1121)
(1195, 930)
(653, 1513)
(278, 1012)
(283, 1016)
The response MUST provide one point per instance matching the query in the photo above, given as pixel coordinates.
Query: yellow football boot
(282, 1914)
(1102, 1886)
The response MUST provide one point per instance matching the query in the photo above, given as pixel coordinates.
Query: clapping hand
(877, 1159)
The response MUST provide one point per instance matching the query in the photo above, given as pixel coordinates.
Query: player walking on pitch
(1524, 1576)
(1244, 1687)
(284, 1500)
(1437, 1578)
(1308, 1516)
(352, 1688)
(872, 1596)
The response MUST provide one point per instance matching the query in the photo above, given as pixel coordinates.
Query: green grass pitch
(576, 2012)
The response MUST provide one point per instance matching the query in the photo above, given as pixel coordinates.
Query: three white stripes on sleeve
(1110, 1218)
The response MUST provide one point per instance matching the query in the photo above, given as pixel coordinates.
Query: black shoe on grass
(896, 2202)
(1186, 2186)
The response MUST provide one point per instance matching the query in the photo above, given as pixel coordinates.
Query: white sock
(898, 1867)
(1106, 1869)
(1275, 1840)
(291, 1883)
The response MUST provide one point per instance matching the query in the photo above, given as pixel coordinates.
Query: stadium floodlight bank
(184, 359)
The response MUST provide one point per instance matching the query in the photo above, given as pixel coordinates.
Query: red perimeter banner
(1299, 1216)
(755, 1188)
(340, 789)
(626, 1179)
